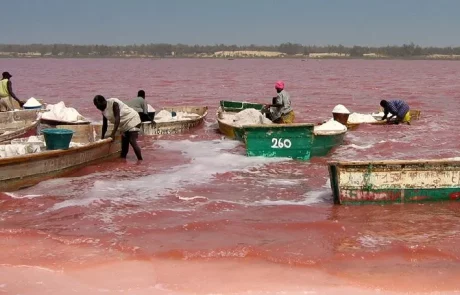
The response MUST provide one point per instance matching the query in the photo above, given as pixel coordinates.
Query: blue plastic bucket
(57, 139)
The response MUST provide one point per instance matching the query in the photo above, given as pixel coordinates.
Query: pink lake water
(199, 217)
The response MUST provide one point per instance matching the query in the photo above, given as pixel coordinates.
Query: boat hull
(27, 170)
(395, 181)
(323, 144)
(18, 124)
(152, 128)
(29, 129)
(279, 140)
(415, 115)
(230, 131)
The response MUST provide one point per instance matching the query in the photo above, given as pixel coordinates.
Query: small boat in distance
(191, 116)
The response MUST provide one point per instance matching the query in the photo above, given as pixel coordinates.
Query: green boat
(377, 182)
(296, 141)
(237, 106)
(232, 107)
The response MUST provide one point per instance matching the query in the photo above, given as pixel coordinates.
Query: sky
(241, 22)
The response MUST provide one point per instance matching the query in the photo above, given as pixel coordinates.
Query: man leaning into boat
(7, 94)
(280, 111)
(124, 119)
(140, 106)
(396, 108)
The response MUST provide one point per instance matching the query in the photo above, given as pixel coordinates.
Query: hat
(279, 85)
(6, 75)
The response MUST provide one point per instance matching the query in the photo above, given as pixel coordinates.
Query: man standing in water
(7, 94)
(280, 111)
(122, 117)
(140, 106)
(398, 108)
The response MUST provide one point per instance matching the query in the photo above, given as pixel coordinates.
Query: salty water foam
(207, 158)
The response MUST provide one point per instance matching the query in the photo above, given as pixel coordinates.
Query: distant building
(328, 54)
(248, 53)
(373, 55)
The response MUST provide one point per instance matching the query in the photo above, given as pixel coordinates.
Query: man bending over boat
(7, 94)
(280, 111)
(140, 106)
(123, 118)
(396, 108)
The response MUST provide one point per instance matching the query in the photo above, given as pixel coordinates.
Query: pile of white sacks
(59, 112)
(25, 146)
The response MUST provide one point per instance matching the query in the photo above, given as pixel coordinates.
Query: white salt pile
(330, 127)
(32, 103)
(150, 109)
(59, 112)
(361, 118)
(340, 109)
(378, 116)
(245, 117)
(11, 150)
(39, 139)
(166, 116)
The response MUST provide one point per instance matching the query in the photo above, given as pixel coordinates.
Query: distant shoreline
(222, 51)
(306, 59)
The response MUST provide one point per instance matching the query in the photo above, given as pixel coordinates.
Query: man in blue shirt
(396, 108)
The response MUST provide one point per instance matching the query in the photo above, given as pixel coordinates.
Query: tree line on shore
(178, 50)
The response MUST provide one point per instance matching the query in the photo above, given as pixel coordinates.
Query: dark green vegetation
(181, 50)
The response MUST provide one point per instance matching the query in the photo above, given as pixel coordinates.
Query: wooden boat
(17, 129)
(415, 115)
(19, 115)
(17, 124)
(174, 127)
(27, 170)
(395, 181)
(230, 131)
(296, 141)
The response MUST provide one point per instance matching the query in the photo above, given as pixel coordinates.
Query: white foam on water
(368, 241)
(16, 196)
(208, 158)
(283, 182)
(192, 198)
(361, 147)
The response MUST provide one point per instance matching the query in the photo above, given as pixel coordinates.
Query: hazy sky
(321, 22)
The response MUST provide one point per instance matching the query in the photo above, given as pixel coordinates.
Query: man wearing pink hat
(280, 111)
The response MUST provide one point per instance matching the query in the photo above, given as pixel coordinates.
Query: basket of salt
(340, 114)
